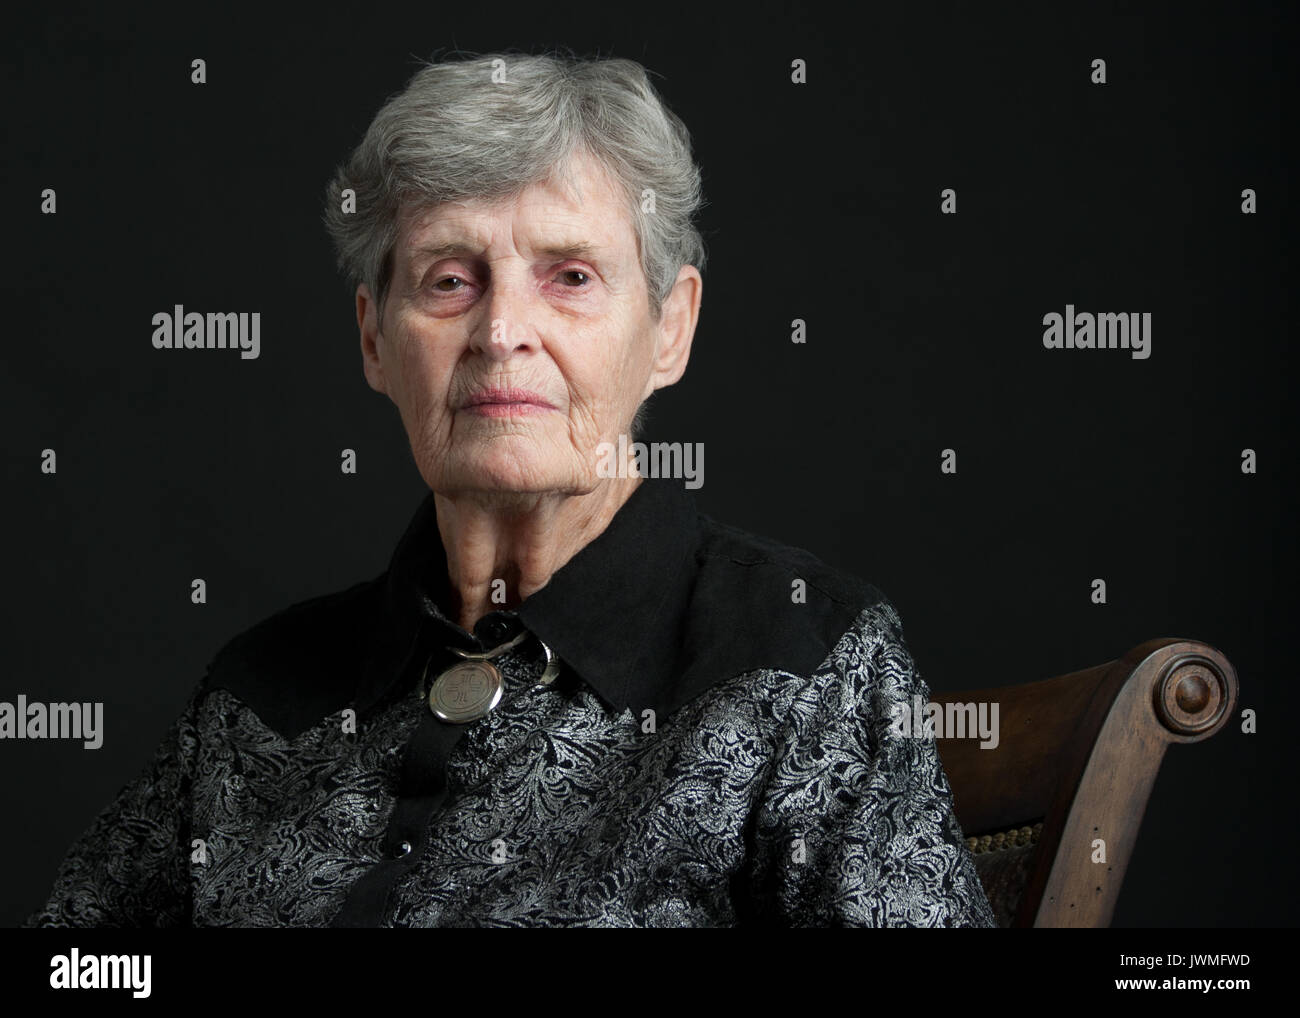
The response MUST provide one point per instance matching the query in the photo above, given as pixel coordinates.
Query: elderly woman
(571, 699)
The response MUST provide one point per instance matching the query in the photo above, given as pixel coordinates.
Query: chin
(501, 471)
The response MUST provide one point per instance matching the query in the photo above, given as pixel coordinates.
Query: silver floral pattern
(770, 798)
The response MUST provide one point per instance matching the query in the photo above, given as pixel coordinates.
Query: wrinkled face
(516, 337)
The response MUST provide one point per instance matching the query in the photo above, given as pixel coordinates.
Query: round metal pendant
(466, 691)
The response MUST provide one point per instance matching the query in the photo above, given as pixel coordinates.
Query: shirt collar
(614, 613)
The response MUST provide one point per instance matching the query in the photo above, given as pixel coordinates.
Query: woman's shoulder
(759, 604)
(748, 556)
(299, 664)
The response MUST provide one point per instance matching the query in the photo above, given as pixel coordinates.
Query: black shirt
(715, 751)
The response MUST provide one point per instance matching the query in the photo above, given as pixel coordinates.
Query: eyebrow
(433, 253)
(574, 249)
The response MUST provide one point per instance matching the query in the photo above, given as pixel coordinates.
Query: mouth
(506, 403)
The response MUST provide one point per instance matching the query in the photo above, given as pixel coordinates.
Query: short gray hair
(454, 133)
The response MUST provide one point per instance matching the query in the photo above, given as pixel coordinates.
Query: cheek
(607, 378)
(424, 373)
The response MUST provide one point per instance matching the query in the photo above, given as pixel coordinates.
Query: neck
(520, 542)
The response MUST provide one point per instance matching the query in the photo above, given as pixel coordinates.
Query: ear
(368, 323)
(676, 328)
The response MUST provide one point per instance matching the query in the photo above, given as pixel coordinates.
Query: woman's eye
(568, 275)
(448, 289)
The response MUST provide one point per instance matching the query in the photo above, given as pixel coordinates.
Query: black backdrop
(924, 333)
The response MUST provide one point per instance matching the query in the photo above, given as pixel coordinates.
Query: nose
(508, 328)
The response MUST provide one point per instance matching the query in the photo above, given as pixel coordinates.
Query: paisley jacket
(715, 751)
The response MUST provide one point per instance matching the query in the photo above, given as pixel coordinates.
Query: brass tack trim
(1014, 838)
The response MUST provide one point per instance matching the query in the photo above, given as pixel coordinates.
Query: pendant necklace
(471, 688)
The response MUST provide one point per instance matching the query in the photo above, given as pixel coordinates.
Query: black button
(495, 631)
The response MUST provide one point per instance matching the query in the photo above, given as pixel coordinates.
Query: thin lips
(485, 396)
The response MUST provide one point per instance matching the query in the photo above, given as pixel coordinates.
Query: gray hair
(459, 131)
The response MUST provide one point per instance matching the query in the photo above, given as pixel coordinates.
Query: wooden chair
(1076, 759)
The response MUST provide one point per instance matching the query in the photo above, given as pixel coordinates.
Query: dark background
(924, 333)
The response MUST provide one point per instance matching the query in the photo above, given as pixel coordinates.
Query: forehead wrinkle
(570, 226)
